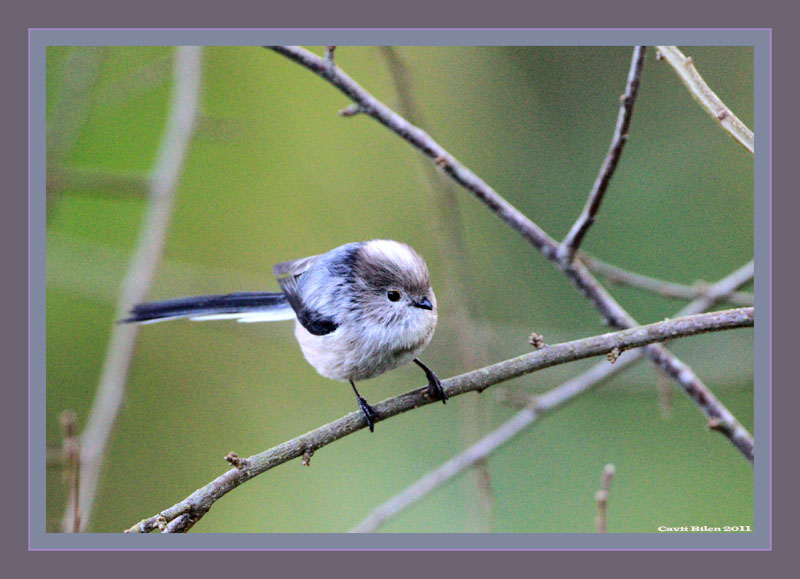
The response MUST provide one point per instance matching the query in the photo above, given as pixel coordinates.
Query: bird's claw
(435, 388)
(370, 414)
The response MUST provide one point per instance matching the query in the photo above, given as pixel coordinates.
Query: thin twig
(665, 288)
(707, 98)
(571, 243)
(576, 272)
(534, 408)
(163, 184)
(199, 502)
(601, 497)
(71, 455)
(447, 231)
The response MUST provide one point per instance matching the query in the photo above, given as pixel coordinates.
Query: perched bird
(361, 309)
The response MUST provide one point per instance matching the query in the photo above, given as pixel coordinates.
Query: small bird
(361, 309)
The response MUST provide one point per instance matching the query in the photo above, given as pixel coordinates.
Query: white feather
(399, 253)
(273, 315)
(155, 321)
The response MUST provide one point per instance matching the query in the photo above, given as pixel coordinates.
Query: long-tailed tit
(360, 309)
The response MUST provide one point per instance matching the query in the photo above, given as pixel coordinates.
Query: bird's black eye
(393, 295)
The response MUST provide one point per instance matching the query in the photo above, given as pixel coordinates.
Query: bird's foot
(370, 414)
(435, 388)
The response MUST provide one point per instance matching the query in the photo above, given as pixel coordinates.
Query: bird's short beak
(424, 304)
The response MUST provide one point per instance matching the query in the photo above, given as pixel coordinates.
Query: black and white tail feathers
(245, 307)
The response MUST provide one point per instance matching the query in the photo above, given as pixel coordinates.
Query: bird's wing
(310, 319)
(294, 267)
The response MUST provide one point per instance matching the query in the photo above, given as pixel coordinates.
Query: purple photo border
(763, 282)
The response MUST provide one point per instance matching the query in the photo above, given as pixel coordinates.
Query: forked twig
(571, 243)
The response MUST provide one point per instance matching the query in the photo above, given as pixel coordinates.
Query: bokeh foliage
(274, 173)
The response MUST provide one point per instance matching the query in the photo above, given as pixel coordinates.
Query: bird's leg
(370, 414)
(434, 384)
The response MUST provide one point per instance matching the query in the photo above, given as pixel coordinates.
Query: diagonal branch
(668, 289)
(536, 407)
(611, 311)
(571, 243)
(199, 502)
(163, 184)
(708, 99)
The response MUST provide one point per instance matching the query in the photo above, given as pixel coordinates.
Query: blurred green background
(273, 173)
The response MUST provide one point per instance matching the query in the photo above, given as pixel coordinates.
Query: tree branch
(665, 288)
(571, 243)
(613, 313)
(199, 502)
(707, 98)
(534, 408)
(601, 497)
(71, 456)
(142, 269)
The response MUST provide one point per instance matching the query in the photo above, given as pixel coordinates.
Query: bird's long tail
(245, 307)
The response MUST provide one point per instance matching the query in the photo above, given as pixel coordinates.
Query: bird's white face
(395, 289)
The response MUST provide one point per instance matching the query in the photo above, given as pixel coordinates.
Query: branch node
(161, 522)
(442, 161)
(235, 460)
(329, 50)
(352, 110)
(181, 523)
(717, 425)
(306, 460)
(537, 341)
(614, 354)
